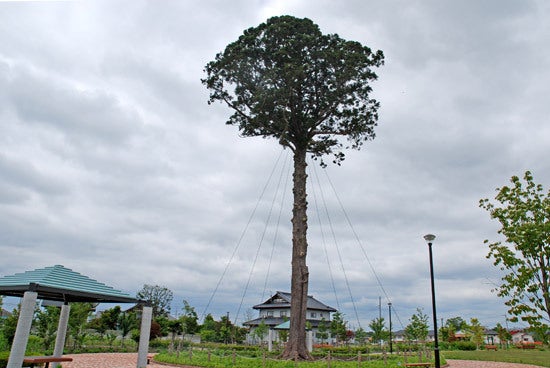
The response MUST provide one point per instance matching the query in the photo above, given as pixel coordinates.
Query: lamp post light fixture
(429, 239)
(391, 346)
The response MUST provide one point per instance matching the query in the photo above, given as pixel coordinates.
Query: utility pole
(380, 317)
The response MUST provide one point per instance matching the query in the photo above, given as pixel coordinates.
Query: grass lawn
(535, 357)
(225, 360)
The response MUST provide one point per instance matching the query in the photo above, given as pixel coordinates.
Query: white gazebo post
(270, 340)
(61, 332)
(145, 330)
(309, 341)
(23, 330)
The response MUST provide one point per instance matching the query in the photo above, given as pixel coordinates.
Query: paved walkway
(129, 360)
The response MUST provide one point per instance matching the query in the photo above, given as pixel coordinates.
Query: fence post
(359, 359)
(234, 357)
(328, 359)
(208, 355)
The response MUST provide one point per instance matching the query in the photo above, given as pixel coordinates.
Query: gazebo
(58, 283)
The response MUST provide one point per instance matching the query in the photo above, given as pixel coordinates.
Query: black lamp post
(391, 346)
(429, 239)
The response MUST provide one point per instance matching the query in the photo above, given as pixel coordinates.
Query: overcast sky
(113, 164)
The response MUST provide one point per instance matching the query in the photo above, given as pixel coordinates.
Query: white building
(276, 310)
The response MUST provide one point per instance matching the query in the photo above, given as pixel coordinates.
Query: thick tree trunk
(296, 345)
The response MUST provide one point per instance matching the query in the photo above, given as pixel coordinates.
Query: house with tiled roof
(275, 311)
(4, 313)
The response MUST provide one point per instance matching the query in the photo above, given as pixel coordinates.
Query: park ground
(129, 360)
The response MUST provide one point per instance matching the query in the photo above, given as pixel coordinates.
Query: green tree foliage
(175, 327)
(503, 334)
(361, 336)
(322, 330)
(208, 329)
(456, 323)
(107, 320)
(189, 319)
(164, 324)
(452, 325)
(338, 327)
(379, 332)
(46, 321)
(286, 80)
(476, 332)
(126, 323)
(78, 316)
(540, 333)
(417, 329)
(10, 325)
(523, 210)
(261, 331)
(159, 297)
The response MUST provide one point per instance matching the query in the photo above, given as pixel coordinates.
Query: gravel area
(129, 360)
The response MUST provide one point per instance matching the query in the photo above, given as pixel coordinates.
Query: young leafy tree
(261, 331)
(189, 319)
(322, 330)
(45, 323)
(361, 336)
(9, 325)
(417, 329)
(109, 317)
(126, 323)
(523, 211)
(208, 329)
(456, 323)
(286, 80)
(476, 332)
(338, 327)
(77, 322)
(379, 332)
(503, 335)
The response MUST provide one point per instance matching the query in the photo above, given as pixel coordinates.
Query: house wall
(491, 339)
(285, 312)
(521, 337)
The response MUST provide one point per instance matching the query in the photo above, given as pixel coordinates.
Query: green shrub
(464, 345)
(159, 344)
(5, 355)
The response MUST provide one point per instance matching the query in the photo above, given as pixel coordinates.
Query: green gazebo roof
(59, 283)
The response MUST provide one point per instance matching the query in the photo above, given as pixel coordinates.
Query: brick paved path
(105, 360)
(129, 360)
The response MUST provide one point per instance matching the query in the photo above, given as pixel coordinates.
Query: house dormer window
(313, 315)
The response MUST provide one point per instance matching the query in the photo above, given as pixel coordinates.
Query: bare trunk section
(296, 345)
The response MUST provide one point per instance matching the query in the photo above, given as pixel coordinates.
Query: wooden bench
(424, 364)
(45, 360)
(491, 347)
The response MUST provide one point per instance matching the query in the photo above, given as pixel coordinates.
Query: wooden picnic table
(47, 359)
(424, 364)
